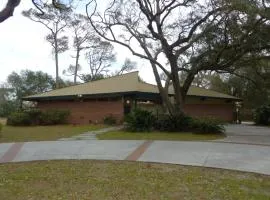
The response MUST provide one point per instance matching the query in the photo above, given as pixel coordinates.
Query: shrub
(53, 117)
(140, 120)
(262, 115)
(34, 115)
(19, 119)
(174, 123)
(109, 120)
(207, 125)
(37, 117)
(8, 107)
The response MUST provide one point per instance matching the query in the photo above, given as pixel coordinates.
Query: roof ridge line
(70, 86)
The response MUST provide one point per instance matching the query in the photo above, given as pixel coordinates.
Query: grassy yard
(123, 135)
(42, 133)
(95, 180)
(3, 121)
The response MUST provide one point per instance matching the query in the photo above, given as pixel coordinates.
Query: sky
(23, 46)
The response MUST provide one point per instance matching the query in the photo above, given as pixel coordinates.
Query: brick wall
(220, 111)
(86, 112)
(93, 111)
(217, 108)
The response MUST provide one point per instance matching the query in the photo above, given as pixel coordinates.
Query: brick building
(91, 102)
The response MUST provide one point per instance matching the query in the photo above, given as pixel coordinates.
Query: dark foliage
(262, 115)
(36, 117)
(173, 123)
(109, 120)
(140, 120)
(19, 118)
(8, 107)
(207, 126)
(53, 117)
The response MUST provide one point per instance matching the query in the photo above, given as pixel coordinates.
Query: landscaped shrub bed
(262, 115)
(207, 125)
(173, 123)
(141, 120)
(34, 117)
(109, 120)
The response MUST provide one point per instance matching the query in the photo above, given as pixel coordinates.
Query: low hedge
(37, 117)
(174, 123)
(207, 125)
(19, 119)
(54, 117)
(109, 120)
(141, 120)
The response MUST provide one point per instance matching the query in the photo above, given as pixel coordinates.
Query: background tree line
(224, 44)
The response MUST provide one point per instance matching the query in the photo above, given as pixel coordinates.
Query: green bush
(53, 117)
(183, 122)
(37, 117)
(140, 120)
(19, 119)
(8, 107)
(207, 125)
(174, 123)
(262, 115)
(34, 115)
(109, 120)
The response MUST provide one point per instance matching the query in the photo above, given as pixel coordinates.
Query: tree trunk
(56, 63)
(166, 103)
(179, 96)
(76, 65)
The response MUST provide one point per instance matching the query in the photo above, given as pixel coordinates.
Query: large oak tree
(185, 36)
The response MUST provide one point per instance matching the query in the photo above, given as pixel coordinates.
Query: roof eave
(104, 95)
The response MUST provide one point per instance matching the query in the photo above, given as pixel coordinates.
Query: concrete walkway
(91, 135)
(250, 158)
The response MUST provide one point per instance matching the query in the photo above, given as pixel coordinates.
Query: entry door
(127, 106)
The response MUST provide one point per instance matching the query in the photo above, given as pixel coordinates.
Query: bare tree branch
(8, 10)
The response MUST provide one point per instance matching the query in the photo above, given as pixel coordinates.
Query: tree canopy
(186, 36)
(183, 39)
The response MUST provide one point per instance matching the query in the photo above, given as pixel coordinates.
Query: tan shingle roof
(120, 84)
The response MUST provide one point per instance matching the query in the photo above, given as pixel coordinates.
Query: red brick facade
(94, 111)
(87, 111)
(219, 111)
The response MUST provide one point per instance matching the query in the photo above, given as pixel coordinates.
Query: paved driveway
(247, 133)
(251, 158)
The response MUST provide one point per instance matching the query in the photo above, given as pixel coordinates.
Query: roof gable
(120, 84)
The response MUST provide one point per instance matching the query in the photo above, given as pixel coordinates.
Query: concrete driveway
(247, 134)
(243, 157)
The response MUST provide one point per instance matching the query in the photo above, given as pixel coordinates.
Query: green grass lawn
(42, 133)
(124, 135)
(96, 180)
(3, 121)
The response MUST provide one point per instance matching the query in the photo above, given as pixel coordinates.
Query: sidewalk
(91, 135)
(250, 158)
